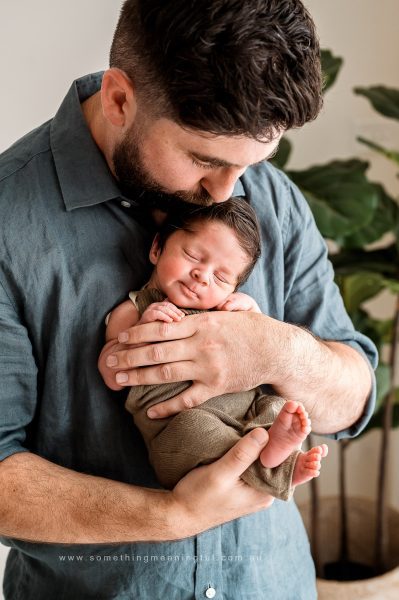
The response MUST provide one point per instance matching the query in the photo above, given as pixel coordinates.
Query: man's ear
(155, 251)
(118, 99)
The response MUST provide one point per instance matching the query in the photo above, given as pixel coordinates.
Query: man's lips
(188, 291)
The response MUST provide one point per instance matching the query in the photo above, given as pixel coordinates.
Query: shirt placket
(208, 575)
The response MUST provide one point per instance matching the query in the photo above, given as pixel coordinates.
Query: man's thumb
(244, 452)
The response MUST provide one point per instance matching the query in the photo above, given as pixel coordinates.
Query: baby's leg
(286, 434)
(192, 438)
(308, 464)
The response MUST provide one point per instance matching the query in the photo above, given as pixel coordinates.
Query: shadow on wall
(3, 558)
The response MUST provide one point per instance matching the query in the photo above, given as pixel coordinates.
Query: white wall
(45, 44)
(364, 33)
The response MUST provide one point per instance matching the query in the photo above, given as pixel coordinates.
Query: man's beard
(136, 183)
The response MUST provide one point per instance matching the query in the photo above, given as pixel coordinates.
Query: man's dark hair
(229, 67)
(235, 213)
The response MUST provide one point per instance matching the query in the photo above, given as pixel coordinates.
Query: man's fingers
(243, 454)
(157, 332)
(164, 373)
(195, 395)
(150, 354)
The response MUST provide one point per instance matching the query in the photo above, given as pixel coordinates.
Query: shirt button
(125, 204)
(210, 592)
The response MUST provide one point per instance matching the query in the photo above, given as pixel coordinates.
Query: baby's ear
(155, 251)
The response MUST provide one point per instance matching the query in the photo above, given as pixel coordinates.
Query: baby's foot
(308, 464)
(291, 427)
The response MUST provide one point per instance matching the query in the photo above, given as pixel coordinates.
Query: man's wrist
(172, 520)
(276, 343)
(295, 351)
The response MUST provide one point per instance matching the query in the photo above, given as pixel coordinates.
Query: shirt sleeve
(18, 379)
(312, 298)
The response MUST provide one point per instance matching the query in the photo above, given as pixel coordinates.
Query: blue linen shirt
(70, 252)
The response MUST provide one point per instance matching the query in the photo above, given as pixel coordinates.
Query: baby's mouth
(189, 292)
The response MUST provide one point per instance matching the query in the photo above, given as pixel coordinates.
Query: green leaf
(330, 66)
(392, 285)
(390, 154)
(359, 287)
(384, 261)
(384, 328)
(362, 286)
(383, 379)
(379, 331)
(280, 159)
(385, 218)
(340, 196)
(385, 100)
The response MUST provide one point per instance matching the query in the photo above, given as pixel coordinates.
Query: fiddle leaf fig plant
(341, 198)
(354, 213)
(386, 102)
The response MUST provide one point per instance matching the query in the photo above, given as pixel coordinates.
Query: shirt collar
(238, 189)
(83, 173)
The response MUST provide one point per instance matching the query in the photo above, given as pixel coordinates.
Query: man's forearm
(43, 502)
(331, 379)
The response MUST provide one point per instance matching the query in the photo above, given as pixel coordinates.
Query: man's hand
(219, 352)
(222, 352)
(215, 494)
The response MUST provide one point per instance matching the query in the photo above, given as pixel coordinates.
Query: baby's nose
(200, 276)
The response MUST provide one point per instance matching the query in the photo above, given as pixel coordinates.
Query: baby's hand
(239, 301)
(161, 311)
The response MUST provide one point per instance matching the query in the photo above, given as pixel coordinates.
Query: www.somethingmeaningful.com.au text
(146, 558)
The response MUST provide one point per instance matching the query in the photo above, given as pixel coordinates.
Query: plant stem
(382, 532)
(343, 444)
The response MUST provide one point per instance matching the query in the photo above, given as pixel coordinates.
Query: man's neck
(92, 112)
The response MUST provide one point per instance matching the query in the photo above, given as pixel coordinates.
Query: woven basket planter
(361, 519)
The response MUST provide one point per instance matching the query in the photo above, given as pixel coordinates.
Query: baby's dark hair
(236, 213)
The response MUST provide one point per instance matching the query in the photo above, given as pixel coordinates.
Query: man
(197, 97)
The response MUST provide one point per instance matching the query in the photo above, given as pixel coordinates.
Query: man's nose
(220, 184)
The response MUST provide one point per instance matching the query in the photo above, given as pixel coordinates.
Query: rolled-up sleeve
(313, 299)
(18, 379)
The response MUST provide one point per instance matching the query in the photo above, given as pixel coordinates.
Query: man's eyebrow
(220, 162)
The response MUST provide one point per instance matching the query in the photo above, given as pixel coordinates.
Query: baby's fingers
(226, 305)
(172, 310)
(231, 305)
(156, 314)
(168, 316)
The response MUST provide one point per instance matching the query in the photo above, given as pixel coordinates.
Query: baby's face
(200, 268)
